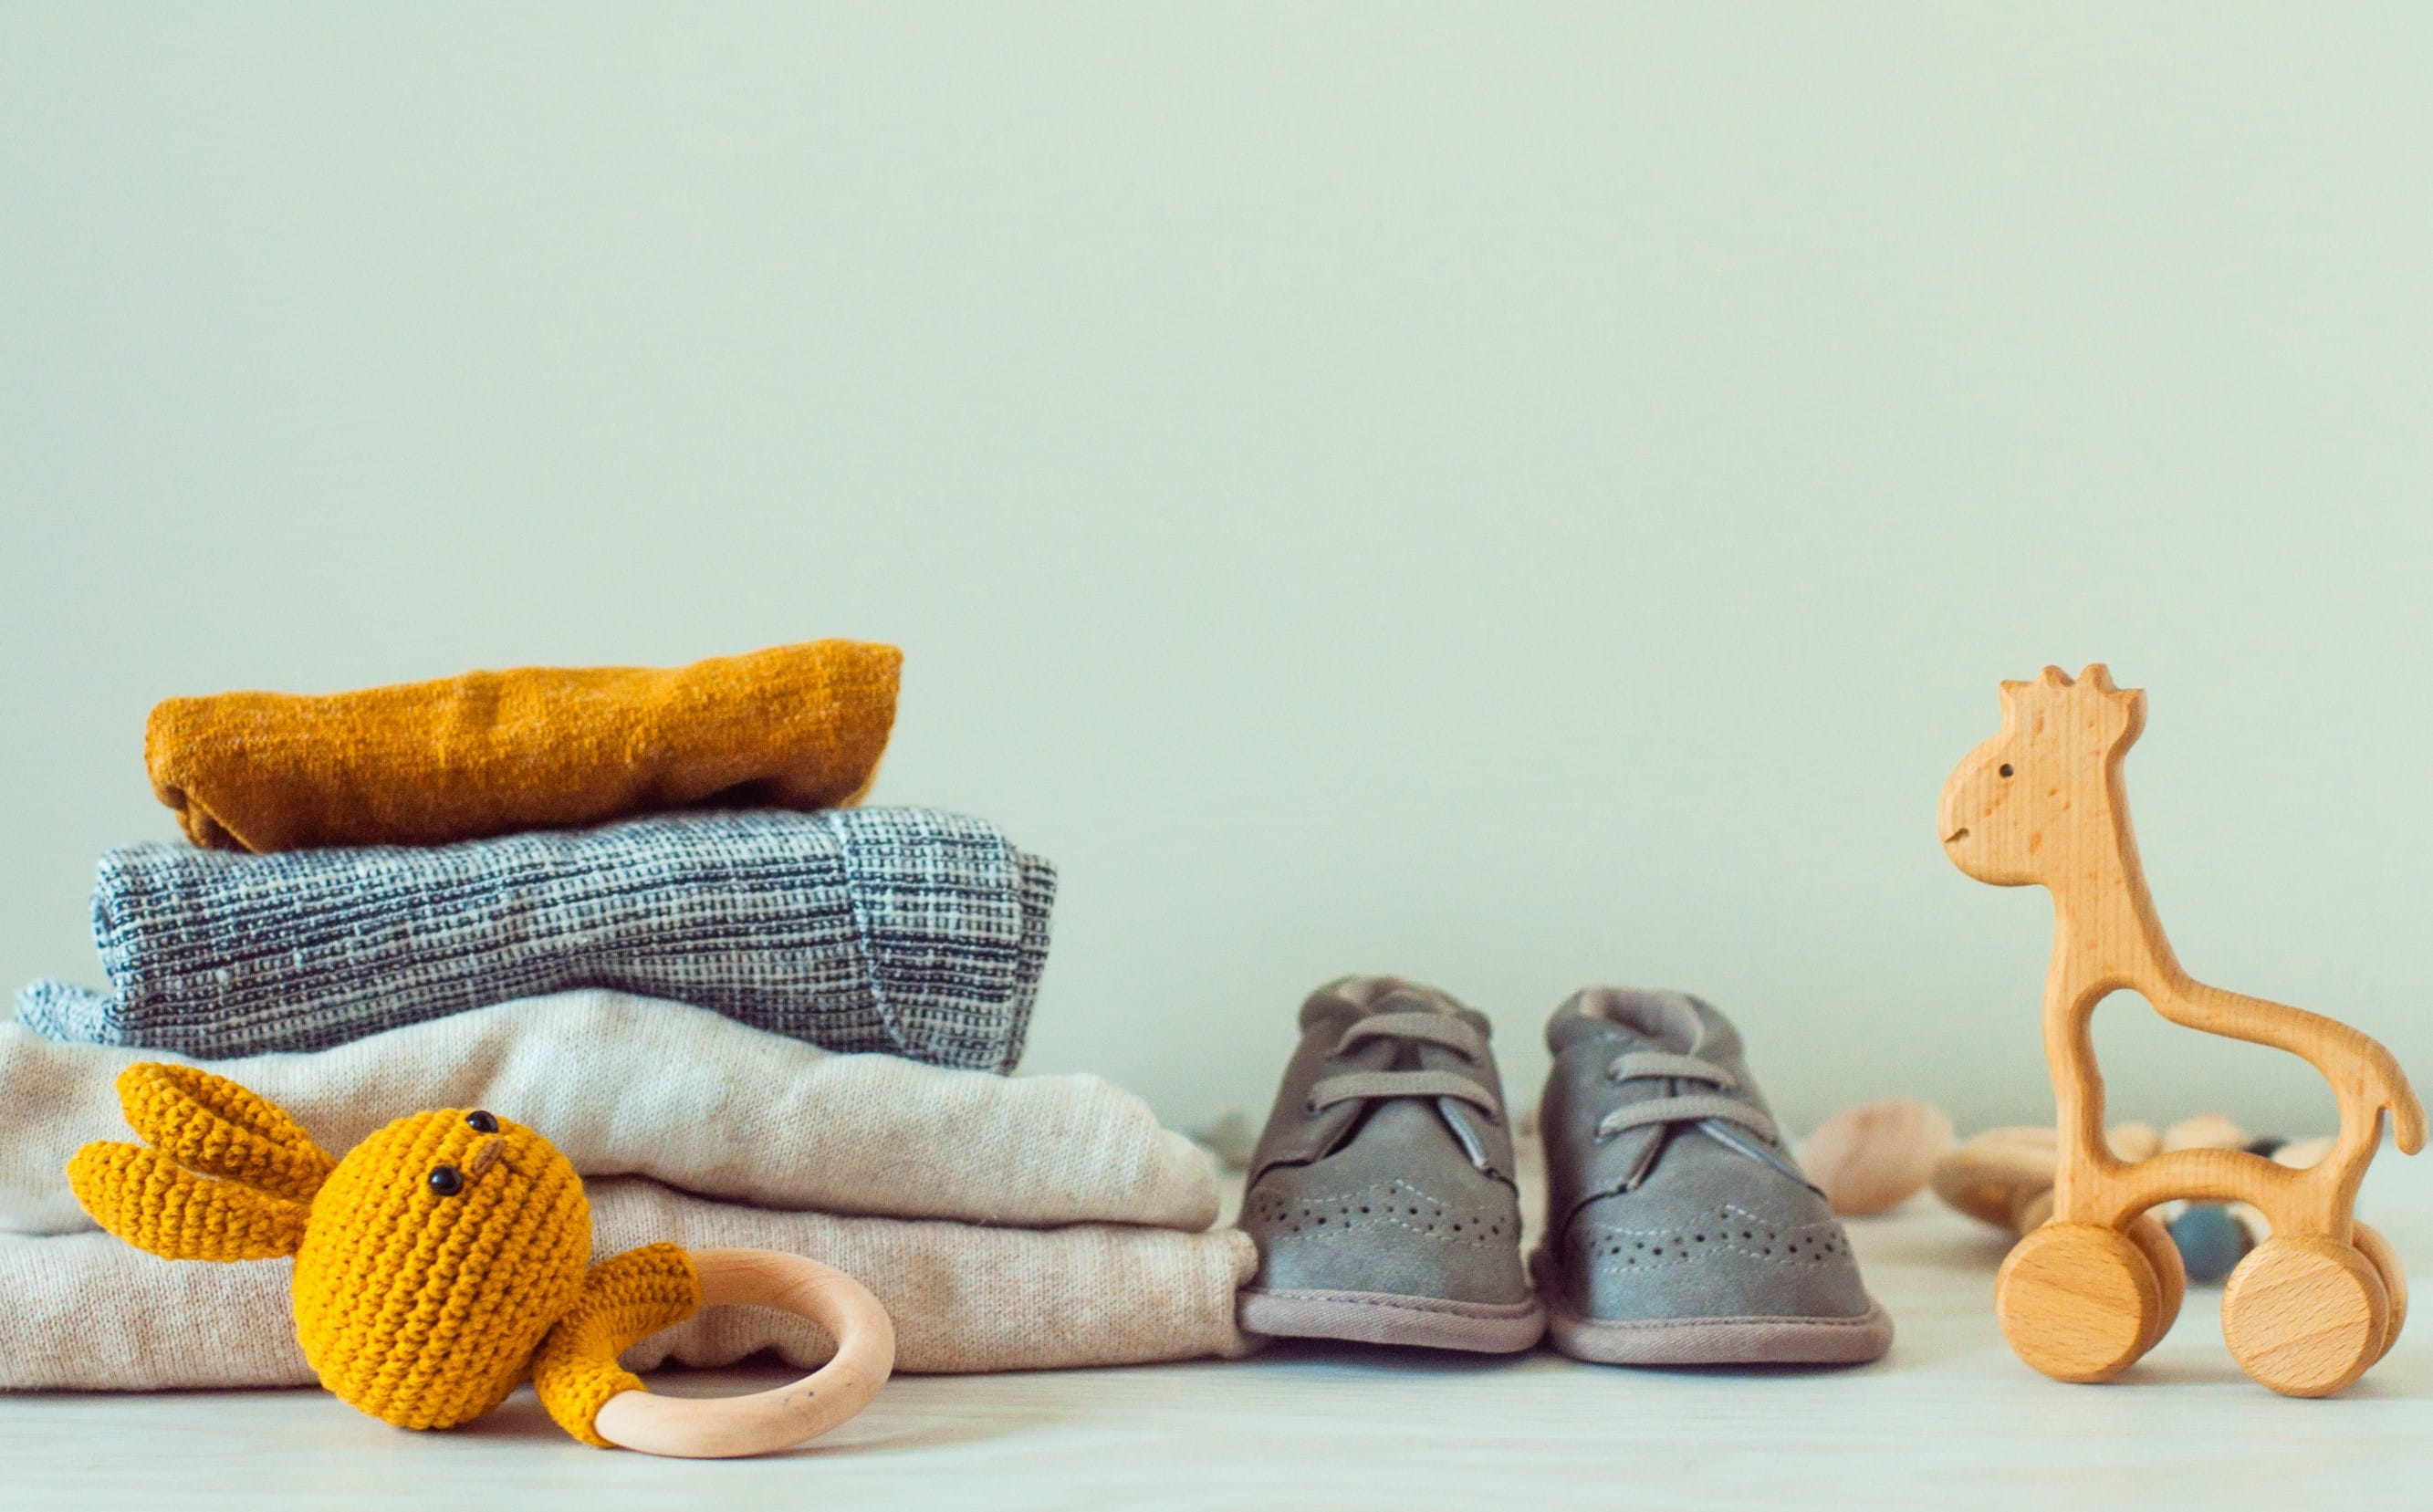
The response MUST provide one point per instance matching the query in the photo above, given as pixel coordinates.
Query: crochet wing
(625, 1299)
(222, 1174)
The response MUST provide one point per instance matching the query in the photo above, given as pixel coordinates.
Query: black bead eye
(447, 1181)
(482, 1122)
(2006, 769)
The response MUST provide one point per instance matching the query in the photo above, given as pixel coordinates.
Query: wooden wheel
(2078, 1302)
(2304, 1315)
(2385, 1261)
(2170, 1276)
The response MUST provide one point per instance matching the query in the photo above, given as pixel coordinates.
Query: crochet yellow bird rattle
(447, 1259)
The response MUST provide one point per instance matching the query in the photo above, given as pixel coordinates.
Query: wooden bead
(1872, 1159)
(2204, 1132)
(2005, 1176)
(2304, 1315)
(2078, 1302)
(2033, 1211)
(1990, 1176)
(2299, 1154)
(2133, 1142)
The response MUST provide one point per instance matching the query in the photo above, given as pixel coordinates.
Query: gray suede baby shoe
(1381, 1195)
(1679, 1231)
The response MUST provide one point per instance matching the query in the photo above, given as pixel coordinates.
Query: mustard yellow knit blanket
(534, 748)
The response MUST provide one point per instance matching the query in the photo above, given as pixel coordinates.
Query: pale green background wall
(1519, 496)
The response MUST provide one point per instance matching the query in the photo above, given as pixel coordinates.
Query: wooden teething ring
(727, 1427)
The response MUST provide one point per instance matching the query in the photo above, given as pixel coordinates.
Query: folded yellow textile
(535, 748)
(86, 1312)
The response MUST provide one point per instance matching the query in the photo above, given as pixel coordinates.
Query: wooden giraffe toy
(2083, 1297)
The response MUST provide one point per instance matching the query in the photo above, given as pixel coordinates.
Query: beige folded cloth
(85, 1312)
(627, 1085)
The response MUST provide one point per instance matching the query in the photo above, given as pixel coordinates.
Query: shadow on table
(876, 1430)
(1392, 1359)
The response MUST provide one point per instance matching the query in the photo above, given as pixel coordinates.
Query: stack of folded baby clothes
(749, 1013)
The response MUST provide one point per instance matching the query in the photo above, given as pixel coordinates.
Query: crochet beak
(493, 1150)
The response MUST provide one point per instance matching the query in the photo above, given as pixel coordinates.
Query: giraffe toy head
(2004, 807)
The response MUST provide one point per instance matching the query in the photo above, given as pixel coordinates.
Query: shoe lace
(1413, 1028)
(1720, 1114)
(1678, 1107)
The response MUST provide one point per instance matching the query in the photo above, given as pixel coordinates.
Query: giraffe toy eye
(2006, 769)
(447, 1180)
(482, 1122)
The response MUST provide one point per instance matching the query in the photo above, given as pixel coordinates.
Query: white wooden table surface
(1950, 1419)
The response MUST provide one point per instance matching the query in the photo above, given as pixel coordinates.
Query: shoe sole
(1754, 1340)
(1389, 1317)
(1723, 1341)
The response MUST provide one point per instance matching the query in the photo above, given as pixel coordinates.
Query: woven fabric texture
(86, 1312)
(904, 930)
(633, 1085)
(539, 747)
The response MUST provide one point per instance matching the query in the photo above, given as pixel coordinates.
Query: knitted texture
(212, 1126)
(626, 1298)
(658, 1089)
(493, 753)
(149, 1201)
(423, 1306)
(87, 1313)
(429, 1266)
(904, 931)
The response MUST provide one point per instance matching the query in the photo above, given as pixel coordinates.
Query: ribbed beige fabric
(627, 1085)
(85, 1312)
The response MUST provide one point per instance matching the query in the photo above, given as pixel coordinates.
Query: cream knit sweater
(86, 1312)
(1007, 1223)
(627, 1085)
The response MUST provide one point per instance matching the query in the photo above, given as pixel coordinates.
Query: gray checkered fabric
(903, 930)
